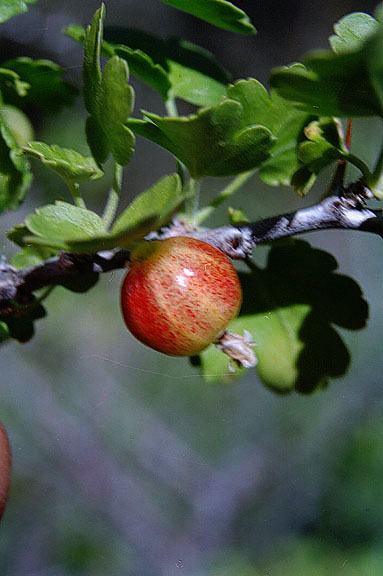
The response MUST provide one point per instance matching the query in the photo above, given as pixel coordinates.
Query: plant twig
(75, 191)
(113, 197)
(228, 191)
(346, 212)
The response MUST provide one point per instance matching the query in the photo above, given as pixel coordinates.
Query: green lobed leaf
(193, 86)
(347, 84)
(149, 211)
(163, 50)
(31, 256)
(217, 12)
(108, 98)
(351, 31)
(292, 320)
(159, 201)
(192, 72)
(221, 140)
(175, 68)
(10, 8)
(15, 175)
(284, 121)
(67, 227)
(18, 123)
(237, 216)
(209, 146)
(62, 221)
(11, 81)
(91, 64)
(323, 145)
(144, 68)
(47, 89)
(69, 164)
(115, 106)
(140, 64)
(4, 332)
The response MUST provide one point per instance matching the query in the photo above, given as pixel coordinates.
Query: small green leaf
(217, 12)
(116, 105)
(10, 81)
(144, 68)
(175, 68)
(221, 140)
(193, 86)
(140, 63)
(351, 31)
(159, 202)
(18, 123)
(285, 122)
(347, 84)
(236, 216)
(108, 99)
(47, 89)
(4, 332)
(17, 234)
(31, 256)
(303, 180)
(149, 211)
(62, 221)
(69, 164)
(10, 8)
(62, 226)
(209, 143)
(323, 145)
(194, 73)
(91, 65)
(291, 308)
(15, 175)
(123, 238)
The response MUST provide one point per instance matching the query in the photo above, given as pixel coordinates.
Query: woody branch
(343, 212)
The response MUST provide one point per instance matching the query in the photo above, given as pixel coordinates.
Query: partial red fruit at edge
(5, 468)
(180, 295)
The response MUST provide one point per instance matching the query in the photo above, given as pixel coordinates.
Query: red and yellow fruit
(179, 295)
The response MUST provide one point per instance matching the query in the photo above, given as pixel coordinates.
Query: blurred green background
(125, 461)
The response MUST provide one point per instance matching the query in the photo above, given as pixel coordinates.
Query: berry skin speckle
(179, 295)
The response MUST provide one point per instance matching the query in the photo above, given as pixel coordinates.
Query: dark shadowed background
(125, 462)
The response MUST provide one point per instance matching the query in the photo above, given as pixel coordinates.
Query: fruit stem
(75, 191)
(193, 203)
(172, 111)
(376, 176)
(362, 166)
(225, 193)
(113, 197)
(171, 107)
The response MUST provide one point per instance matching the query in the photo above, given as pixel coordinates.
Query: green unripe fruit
(179, 295)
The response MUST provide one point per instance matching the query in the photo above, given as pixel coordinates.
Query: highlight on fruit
(179, 295)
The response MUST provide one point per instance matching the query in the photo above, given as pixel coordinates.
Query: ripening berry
(179, 295)
(5, 468)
